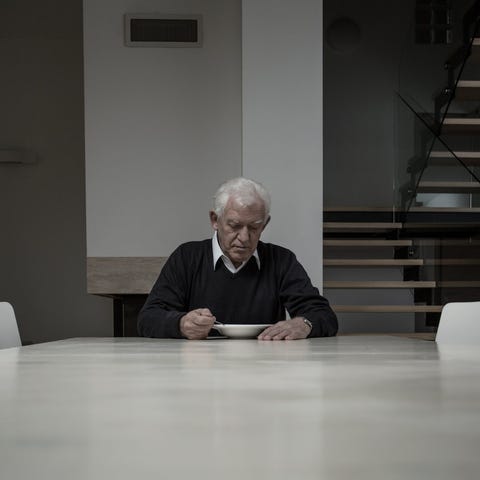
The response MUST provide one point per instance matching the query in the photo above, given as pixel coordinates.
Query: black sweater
(188, 281)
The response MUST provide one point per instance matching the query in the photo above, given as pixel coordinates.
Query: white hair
(244, 191)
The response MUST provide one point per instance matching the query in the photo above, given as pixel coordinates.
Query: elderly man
(235, 278)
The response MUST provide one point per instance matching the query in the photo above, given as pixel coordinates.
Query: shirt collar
(218, 253)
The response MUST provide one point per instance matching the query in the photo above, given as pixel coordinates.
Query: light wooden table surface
(354, 407)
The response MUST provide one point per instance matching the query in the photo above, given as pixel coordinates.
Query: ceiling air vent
(157, 30)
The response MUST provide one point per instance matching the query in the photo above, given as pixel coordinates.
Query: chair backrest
(9, 336)
(459, 324)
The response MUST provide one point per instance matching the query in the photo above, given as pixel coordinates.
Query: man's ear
(214, 220)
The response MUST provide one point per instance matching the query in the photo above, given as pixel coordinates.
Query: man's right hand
(196, 324)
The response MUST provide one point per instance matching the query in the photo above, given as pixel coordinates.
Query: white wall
(282, 119)
(163, 127)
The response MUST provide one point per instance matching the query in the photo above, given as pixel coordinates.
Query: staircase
(449, 150)
(393, 269)
(390, 276)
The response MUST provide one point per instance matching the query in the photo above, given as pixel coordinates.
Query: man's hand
(196, 324)
(293, 329)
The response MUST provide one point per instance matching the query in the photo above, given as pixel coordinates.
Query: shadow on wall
(42, 205)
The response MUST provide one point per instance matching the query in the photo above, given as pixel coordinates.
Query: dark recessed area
(163, 30)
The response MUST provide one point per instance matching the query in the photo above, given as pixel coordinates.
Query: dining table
(348, 407)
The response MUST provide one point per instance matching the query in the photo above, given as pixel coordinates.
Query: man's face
(239, 229)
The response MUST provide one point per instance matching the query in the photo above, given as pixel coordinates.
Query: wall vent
(157, 30)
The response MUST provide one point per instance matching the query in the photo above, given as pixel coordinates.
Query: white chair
(9, 336)
(459, 324)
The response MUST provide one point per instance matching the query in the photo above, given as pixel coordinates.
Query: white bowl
(241, 330)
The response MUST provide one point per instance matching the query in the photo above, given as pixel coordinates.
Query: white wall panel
(282, 119)
(163, 127)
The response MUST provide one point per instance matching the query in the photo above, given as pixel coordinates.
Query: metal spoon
(217, 324)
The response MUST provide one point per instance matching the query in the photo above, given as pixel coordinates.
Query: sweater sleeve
(166, 304)
(302, 299)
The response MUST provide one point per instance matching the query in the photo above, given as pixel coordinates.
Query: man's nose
(243, 234)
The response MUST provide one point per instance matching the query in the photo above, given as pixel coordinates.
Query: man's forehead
(236, 212)
(238, 220)
(240, 206)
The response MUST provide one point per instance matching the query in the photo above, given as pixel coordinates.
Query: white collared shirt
(218, 253)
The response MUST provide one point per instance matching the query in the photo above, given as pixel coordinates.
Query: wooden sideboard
(128, 281)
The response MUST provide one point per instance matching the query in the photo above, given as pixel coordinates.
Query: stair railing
(458, 60)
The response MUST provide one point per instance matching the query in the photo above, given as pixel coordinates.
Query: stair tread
(361, 225)
(445, 158)
(339, 262)
(461, 121)
(354, 208)
(448, 182)
(446, 209)
(377, 284)
(461, 125)
(335, 242)
(350, 209)
(452, 261)
(475, 53)
(446, 224)
(386, 308)
(468, 90)
(447, 187)
(451, 242)
(468, 83)
(460, 154)
(459, 284)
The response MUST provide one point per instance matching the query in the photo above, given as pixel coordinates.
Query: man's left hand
(292, 329)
